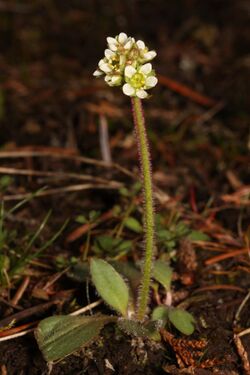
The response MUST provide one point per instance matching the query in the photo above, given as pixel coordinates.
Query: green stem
(149, 225)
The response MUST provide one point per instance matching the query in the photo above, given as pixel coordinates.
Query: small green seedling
(126, 64)
(16, 252)
(181, 319)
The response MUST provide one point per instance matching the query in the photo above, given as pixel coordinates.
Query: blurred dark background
(50, 48)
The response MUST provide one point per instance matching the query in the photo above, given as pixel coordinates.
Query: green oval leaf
(59, 336)
(110, 285)
(197, 235)
(133, 224)
(182, 320)
(163, 273)
(4, 263)
(160, 313)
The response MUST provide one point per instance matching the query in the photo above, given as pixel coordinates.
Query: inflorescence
(126, 63)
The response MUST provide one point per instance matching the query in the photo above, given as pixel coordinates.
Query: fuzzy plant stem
(149, 224)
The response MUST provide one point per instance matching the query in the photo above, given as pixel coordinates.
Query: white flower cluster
(126, 64)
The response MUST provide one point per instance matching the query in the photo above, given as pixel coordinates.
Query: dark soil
(50, 104)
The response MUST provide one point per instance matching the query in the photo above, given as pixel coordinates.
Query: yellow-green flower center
(114, 62)
(137, 81)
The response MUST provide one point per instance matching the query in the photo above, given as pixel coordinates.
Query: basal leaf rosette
(124, 52)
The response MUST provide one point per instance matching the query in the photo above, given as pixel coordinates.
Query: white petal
(108, 80)
(97, 73)
(142, 94)
(105, 67)
(111, 40)
(151, 81)
(128, 89)
(101, 62)
(122, 38)
(149, 55)
(113, 47)
(116, 80)
(128, 45)
(108, 53)
(140, 44)
(129, 71)
(146, 68)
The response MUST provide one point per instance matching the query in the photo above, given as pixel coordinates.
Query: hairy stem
(145, 164)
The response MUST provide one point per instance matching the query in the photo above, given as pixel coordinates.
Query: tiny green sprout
(126, 64)
(182, 320)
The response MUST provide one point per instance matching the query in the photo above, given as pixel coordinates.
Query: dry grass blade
(231, 254)
(219, 287)
(242, 353)
(27, 313)
(78, 232)
(56, 175)
(20, 291)
(25, 152)
(63, 190)
(186, 91)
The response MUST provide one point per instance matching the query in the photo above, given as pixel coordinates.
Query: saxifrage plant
(126, 64)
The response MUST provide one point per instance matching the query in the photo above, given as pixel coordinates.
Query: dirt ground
(51, 112)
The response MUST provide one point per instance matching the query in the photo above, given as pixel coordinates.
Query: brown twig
(87, 308)
(78, 232)
(16, 330)
(242, 353)
(27, 313)
(61, 190)
(24, 152)
(186, 91)
(219, 287)
(4, 370)
(10, 304)
(59, 175)
(104, 139)
(241, 307)
(231, 254)
(16, 335)
(20, 291)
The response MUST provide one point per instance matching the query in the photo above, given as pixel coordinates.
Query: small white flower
(120, 42)
(144, 53)
(139, 80)
(126, 63)
(104, 66)
(114, 80)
